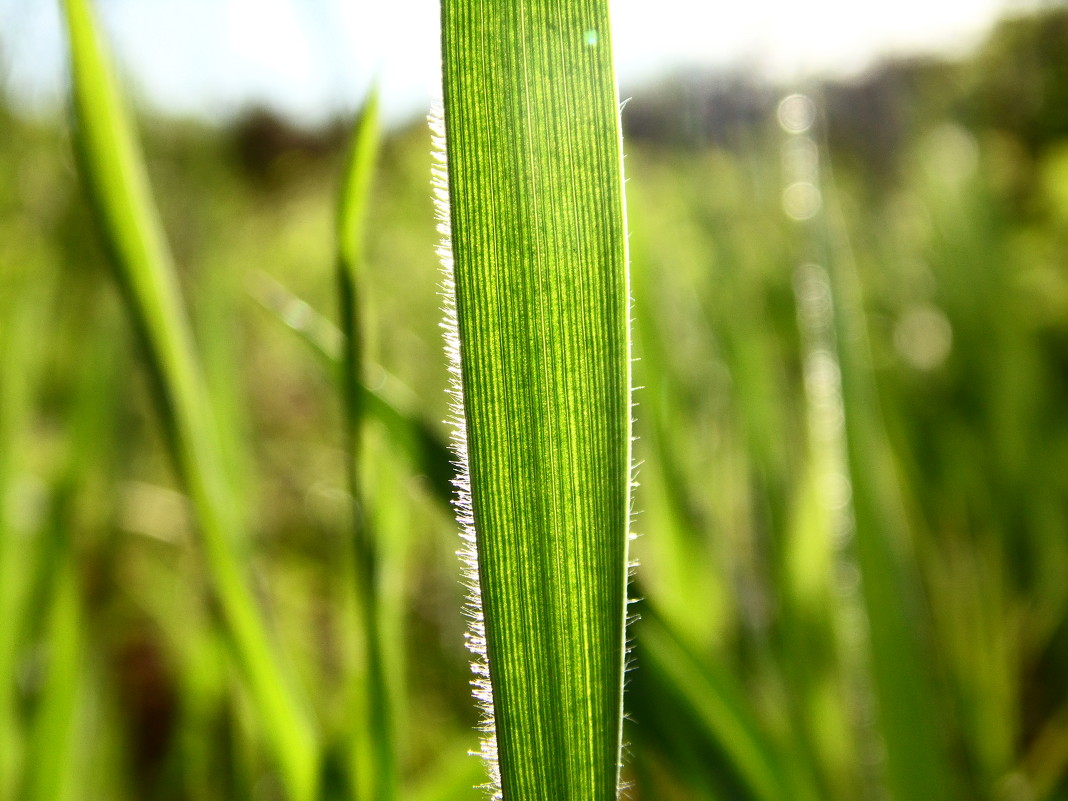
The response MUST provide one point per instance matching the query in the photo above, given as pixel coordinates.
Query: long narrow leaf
(118, 188)
(539, 265)
(375, 749)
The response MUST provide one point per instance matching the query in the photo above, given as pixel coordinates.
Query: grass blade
(909, 755)
(702, 699)
(375, 747)
(539, 266)
(51, 745)
(22, 333)
(118, 188)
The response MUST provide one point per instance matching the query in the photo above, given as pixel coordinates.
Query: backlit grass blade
(374, 741)
(351, 213)
(538, 267)
(118, 189)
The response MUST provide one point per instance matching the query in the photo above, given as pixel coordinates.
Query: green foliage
(538, 263)
(118, 188)
(375, 763)
(923, 358)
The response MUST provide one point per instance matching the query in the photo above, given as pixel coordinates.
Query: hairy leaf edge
(476, 634)
(475, 638)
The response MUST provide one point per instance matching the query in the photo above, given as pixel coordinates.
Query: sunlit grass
(884, 374)
(536, 262)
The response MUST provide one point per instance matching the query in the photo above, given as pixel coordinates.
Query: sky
(316, 58)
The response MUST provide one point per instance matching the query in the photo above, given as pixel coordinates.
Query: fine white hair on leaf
(623, 788)
(462, 502)
(468, 553)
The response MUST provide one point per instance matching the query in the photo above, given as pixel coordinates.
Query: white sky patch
(273, 55)
(785, 38)
(314, 58)
(168, 50)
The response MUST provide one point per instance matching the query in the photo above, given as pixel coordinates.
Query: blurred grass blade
(390, 402)
(23, 337)
(316, 331)
(52, 744)
(705, 702)
(909, 711)
(351, 214)
(356, 187)
(373, 732)
(910, 750)
(118, 189)
(539, 268)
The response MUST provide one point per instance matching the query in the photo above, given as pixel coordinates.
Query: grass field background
(852, 422)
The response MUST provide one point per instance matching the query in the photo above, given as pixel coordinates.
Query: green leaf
(118, 189)
(374, 746)
(351, 214)
(539, 265)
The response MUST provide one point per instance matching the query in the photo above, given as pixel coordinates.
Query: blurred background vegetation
(852, 333)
